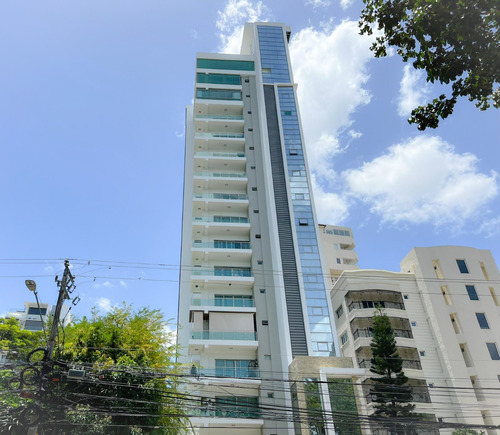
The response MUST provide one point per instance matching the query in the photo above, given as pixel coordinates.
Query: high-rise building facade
(253, 294)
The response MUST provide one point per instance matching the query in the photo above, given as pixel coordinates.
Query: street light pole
(32, 287)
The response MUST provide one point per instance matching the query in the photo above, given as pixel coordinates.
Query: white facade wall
(467, 365)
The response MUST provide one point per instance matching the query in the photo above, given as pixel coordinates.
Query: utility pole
(64, 285)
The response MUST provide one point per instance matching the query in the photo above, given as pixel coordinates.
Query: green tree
(130, 383)
(130, 371)
(453, 41)
(391, 395)
(15, 344)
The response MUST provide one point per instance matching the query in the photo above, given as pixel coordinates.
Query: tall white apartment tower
(253, 294)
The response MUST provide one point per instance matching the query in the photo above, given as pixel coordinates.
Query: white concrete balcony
(220, 161)
(217, 202)
(216, 180)
(221, 276)
(215, 123)
(222, 341)
(233, 305)
(220, 251)
(227, 426)
(213, 226)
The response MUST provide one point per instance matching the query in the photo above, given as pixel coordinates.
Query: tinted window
(483, 323)
(493, 350)
(471, 290)
(462, 266)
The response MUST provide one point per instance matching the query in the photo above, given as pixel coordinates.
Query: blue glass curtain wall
(315, 292)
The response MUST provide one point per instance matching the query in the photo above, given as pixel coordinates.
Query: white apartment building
(444, 311)
(32, 316)
(337, 248)
(253, 294)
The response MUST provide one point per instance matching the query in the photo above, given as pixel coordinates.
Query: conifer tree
(391, 395)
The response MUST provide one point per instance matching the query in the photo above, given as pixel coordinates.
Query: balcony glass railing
(208, 135)
(224, 196)
(407, 364)
(222, 219)
(225, 302)
(216, 154)
(236, 272)
(226, 411)
(403, 333)
(416, 397)
(240, 372)
(223, 335)
(220, 174)
(374, 304)
(222, 244)
(229, 117)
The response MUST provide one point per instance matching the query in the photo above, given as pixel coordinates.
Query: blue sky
(92, 98)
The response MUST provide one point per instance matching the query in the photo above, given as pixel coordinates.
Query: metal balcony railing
(220, 174)
(208, 135)
(222, 219)
(416, 397)
(222, 271)
(240, 372)
(223, 244)
(407, 364)
(218, 154)
(223, 335)
(403, 333)
(229, 117)
(374, 304)
(224, 196)
(224, 302)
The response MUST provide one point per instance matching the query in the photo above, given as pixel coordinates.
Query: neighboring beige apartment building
(444, 309)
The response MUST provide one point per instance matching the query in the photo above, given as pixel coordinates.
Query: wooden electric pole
(65, 285)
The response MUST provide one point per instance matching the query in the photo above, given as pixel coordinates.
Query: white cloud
(318, 3)
(105, 304)
(48, 269)
(330, 86)
(353, 134)
(330, 207)
(106, 284)
(490, 228)
(423, 181)
(170, 335)
(231, 20)
(413, 90)
(123, 284)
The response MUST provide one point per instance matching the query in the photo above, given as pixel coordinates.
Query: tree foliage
(454, 41)
(391, 395)
(15, 344)
(129, 384)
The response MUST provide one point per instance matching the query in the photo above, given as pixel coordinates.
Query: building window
(338, 261)
(303, 222)
(288, 113)
(262, 290)
(406, 297)
(339, 312)
(462, 266)
(235, 368)
(36, 311)
(422, 353)
(344, 338)
(260, 262)
(471, 290)
(265, 323)
(413, 323)
(493, 350)
(481, 319)
(323, 346)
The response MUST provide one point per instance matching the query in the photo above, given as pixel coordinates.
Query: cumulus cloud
(106, 284)
(330, 207)
(413, 90)
(104, 304)
(318, 3)
(423, 181)
(123, 283)
(231, 20)
(331, 85)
